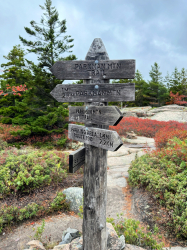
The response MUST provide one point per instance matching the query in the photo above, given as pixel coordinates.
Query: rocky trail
(120, 198)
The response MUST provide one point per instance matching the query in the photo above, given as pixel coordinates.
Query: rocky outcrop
(172, 107)
(145, 112)
(128, 114)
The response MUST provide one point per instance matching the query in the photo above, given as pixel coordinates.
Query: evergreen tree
(178, 82)
(47, 46)
(175, 82)
(184, 81)
(41, 113)
(155, 74)
(167, 80)
(140, 90)
(15, 73)
(157, 90)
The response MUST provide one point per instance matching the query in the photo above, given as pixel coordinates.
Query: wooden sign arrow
(76, 159)
(94, 92)
(92, 69)
(102, 115)
(101, 138)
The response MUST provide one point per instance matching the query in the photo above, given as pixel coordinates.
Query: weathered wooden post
(96, 91)
(95, 172)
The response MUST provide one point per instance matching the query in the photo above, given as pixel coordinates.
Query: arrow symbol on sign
(102, 115)
(101, 138)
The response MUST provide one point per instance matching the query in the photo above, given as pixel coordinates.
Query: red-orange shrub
(164, 134)
(176, 99)
(6, 129)
(145, 127)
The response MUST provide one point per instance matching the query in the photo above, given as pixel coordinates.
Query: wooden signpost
(76, 159)
(96, 115)
(76, 70)
(101, 138)
(95, 91)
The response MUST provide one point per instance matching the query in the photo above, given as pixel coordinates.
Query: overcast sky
(145, 30)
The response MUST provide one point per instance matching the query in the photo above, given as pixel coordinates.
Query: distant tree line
(156, 92)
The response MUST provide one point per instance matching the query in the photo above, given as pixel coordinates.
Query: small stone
(62, 247)
(77, 244)
(131, 135)
(69, 235)
(122, 240)
(36, 244)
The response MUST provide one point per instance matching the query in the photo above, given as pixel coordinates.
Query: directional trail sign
(101, 138)
(88, 69)
(103, 115)
(76, 159)
(94, 92)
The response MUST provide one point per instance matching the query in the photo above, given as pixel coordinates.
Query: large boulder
(74, 195)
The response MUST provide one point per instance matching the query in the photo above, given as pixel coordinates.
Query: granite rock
(74, 195)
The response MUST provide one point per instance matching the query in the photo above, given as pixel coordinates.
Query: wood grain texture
(94, 69)
(94, 92)
(101, 138)
(76, 159)
(95, 174)
(104, 115)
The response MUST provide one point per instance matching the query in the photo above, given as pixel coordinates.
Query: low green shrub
(26, 171)
(3, 145)
(164, 173)
(133, 233)
(12, 214)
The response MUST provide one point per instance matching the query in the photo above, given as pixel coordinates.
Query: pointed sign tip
(97, 51)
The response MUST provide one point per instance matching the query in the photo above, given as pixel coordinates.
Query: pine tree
(167, 80)
(46, 45)
(41, 113)
(140, 90)
(157, 90)
(15, 73)
(155, 74)
(175, 82)
(184, 81)
(178, 82)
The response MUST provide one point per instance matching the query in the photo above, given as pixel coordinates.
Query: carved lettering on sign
(95, 69)
(102, 138)
(66, 93)
(104, 69)
(91, 92)
(103, 115)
